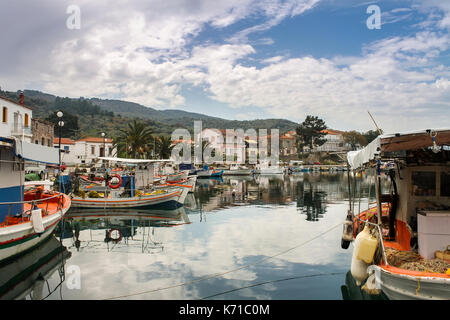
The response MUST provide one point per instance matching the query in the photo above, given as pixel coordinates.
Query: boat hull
(270, 171)
(398, 286)
(172, 199)
(19, 238)
(238, 172)
(209, 173)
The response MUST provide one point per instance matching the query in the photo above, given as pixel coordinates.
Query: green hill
(105, 115)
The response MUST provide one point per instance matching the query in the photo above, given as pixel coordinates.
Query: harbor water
(262, 237)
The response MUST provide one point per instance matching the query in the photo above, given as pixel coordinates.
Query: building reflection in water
(310, 191)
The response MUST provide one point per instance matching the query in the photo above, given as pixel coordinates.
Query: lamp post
(104, 143)
(59, 114)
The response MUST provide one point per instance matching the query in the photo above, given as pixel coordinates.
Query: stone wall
(43, 132)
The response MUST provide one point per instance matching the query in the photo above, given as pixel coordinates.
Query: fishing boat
(184, 183)
(266, 169)
(27, 217)
(133, 190)
(238, 170)
(208, 172)
(401, 241)
(189, 167)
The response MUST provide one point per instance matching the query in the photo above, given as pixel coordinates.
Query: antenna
(379, 130)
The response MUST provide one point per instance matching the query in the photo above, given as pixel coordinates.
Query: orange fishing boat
(26, 217)
(400, 242)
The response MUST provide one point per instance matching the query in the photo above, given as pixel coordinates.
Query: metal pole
(59, 149)
(378, 192)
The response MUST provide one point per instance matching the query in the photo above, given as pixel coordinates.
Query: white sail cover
(36, 152)
(357, 159)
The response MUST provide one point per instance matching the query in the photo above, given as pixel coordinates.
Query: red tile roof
(96, 140)
(15, 102)
(332, 132)
(63, 141)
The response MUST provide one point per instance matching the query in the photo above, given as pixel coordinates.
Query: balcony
(18, 131)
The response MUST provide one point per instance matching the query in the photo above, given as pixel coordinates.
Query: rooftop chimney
(21, 97)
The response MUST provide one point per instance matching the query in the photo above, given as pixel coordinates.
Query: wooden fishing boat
(184, 183)
(268, 170)
(238, 170)
(164, 198)
(26, 217)
(397, 240)
(135, 192)
(208, 172)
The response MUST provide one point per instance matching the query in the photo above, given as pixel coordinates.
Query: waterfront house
(85, 150)
(334, 142)
(15, 119)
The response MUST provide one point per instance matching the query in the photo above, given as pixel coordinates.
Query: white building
(334, 142)
(15, 119)
(83, 151)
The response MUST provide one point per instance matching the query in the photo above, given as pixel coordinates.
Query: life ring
(115, 186)
(115, 239)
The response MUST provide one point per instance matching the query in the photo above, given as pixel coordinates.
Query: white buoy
(358, 267)
(36, 220)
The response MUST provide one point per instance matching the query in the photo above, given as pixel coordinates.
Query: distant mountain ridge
(171, 117)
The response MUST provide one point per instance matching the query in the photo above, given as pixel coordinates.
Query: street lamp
(59, 114)
(104, 143)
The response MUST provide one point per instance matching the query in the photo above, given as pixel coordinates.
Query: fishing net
(410, 260)
(434, 265)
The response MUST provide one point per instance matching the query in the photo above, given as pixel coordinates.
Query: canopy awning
(134, 161)
(406, 141)
(36, 152)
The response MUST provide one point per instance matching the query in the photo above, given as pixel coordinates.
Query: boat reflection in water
(118, 230)
(27, 277)
(351, 291)
(310, 192)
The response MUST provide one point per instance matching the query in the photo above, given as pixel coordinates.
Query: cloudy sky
(239, 59)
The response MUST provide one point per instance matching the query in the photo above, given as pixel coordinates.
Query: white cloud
(143, 52)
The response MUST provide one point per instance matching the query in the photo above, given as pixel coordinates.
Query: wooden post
(378, 194)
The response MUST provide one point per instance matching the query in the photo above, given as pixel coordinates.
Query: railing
(19, 130)
(25, 215)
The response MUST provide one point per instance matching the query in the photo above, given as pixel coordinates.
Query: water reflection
(226, 227)
(126, 230)
(28, 277)
(311, 192)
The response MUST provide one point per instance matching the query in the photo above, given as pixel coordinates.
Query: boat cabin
(418, 199)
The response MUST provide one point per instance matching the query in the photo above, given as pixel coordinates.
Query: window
(445, 184)
(27, 121)
(92, 149)
(48, 143)
(5, 114)
(66, 148)
(43, 141)
(36, 141)
(424, 183)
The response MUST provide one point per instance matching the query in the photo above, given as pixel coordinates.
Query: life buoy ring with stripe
(115, 235)
(115, 186)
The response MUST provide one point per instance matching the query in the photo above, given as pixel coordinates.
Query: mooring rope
(273, 281)
(226, 272)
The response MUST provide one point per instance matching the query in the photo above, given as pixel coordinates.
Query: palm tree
(164, 147)
(135, 140)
